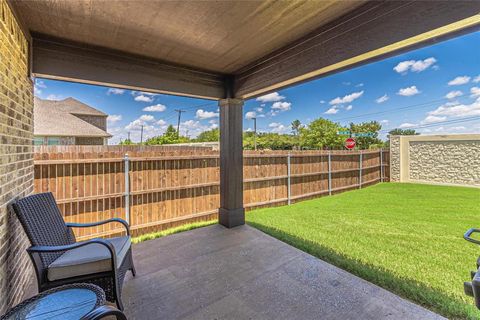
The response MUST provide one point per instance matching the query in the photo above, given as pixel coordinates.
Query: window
(53, 141)
(38, 141)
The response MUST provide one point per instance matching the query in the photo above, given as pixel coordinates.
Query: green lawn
(406, 238)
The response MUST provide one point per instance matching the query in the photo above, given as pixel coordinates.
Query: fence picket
(168, 186)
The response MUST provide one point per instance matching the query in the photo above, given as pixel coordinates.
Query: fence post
(381, 165)
(360, 175)
(127, 187)
(330, 173)
(288, 179)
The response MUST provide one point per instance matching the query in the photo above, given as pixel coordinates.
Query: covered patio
(225, 51)
(242, 273)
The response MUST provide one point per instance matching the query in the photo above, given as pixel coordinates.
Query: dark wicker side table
(80, 301)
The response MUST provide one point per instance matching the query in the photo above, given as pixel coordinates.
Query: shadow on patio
(242, 273)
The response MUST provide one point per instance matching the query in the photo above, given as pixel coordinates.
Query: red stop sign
(350, 143)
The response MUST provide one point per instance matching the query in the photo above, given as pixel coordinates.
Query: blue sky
(434, 90)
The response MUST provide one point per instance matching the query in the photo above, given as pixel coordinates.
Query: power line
(409, 107)
(439, 123)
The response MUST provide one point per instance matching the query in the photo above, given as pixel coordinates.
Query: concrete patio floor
(242, 273)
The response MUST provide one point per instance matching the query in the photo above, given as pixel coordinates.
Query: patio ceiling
(202, 48)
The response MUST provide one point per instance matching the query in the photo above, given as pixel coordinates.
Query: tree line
(320, 134)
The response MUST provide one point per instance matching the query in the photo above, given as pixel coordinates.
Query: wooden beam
(372, 32)
(63, 60)
(232, 211)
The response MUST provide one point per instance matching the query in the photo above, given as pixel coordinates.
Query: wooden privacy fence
(158, 187)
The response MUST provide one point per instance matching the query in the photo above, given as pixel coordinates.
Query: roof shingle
(57, 118)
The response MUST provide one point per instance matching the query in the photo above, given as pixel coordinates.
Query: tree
(372, 127)
(402, 132)
(209, 136)
(296, 125)
(321, 134)
(126, 142)
(170, 136)
(269, 141)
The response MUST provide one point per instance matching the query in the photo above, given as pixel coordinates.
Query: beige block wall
(440, 159)
(16, 156)
(395, 158)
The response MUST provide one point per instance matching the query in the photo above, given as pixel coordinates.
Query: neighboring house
(68, 122)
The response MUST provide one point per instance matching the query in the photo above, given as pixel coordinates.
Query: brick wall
(16, 156)
(89, 141)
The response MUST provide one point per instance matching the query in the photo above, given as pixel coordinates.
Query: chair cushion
(91, 258)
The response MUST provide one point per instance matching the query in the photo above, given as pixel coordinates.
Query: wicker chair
(60, 260)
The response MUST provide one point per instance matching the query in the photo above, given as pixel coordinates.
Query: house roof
(57, 118)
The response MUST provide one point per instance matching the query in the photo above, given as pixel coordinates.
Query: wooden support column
(231, 212)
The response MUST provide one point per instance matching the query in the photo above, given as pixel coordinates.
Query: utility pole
(141, 135)
(128, 136)
(178, 122)
(254, 133)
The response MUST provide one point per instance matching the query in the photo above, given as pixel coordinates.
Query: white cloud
(259, 109)
(459, 128)
(453, 94)
(274, 124)
(433, 119)
(385, 121)
(143, 98)
(281, 106)
(359, 85)
(115, 91)
(54, 97)
(322, 101)
(250, 115)
(349, 107)
(459, 110)
(475, 92)
(459, 81)
(414, 65)
(114, 118)
(278, 127)
(202, 114)
(155, 108)
(161, 123)
(40, 83)
(332, 110)
(348, 98)
(382, 99)
(407, 125)
(137, 125)
(147, 118)
(36, 90)
(149, 93)
(477, 79)
(409, 91)
(271, 97)
(137, 93)
(193, 128)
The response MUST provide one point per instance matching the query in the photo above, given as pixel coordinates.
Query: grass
(406, 238)
(166, 232)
